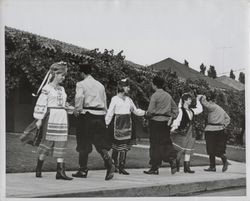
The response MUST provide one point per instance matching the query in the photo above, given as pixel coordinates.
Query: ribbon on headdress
(46, 78)
(180, 103)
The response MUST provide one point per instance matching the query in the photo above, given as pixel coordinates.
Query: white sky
(214, 32)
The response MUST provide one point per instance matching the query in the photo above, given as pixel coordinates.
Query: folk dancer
(90, 108)
(162, 109)
(119, 119)
(184, 138)
(215, 135)
(52, 117)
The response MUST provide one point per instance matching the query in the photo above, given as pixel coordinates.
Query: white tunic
(120, 106)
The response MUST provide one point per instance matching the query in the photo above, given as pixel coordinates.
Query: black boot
(212, 164)
(82, 172)
(225, 163)
(60, 173)
(115, 159)
(173, 166)
(108, 165)
(187, 167)
(152, 170)
(39, 168)
(83, 161)
(122, 159)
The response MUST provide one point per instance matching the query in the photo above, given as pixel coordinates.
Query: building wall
(19, 107)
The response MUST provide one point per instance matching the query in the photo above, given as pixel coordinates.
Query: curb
(159, 190)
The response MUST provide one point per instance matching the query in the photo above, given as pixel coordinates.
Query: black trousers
(216, 142)
(91, 130)
(161, 147)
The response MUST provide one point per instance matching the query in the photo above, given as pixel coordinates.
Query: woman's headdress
(184, 96)
(122, 83)
(55, 68)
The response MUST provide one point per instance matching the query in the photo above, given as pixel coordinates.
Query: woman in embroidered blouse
(184, 138)
(52, 118)
(121, 107)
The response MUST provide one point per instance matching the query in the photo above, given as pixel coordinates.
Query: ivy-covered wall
(29, 57)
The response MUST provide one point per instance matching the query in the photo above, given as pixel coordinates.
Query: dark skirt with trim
(184, 140)
(122, 144)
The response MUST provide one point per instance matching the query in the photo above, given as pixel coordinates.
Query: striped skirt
(57, 129)
(53, 145)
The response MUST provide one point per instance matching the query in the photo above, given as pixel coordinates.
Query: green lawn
(20, 158)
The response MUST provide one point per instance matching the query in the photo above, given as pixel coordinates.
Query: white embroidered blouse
(49, 97)
(120, 106)
(53, 99)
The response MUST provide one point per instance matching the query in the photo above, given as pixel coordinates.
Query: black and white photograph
(124, 99)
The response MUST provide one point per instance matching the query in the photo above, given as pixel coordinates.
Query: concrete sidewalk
(25, 185)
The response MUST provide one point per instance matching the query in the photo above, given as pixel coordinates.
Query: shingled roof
(185, 72)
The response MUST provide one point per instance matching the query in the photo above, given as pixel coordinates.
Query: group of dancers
(112, 127)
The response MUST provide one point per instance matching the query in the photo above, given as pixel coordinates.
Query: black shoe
(60, 174)
(225, 166)
(210, 169)
(82, 173)
(110, 172)
(152, 171)
(187, 167)
(39, 168)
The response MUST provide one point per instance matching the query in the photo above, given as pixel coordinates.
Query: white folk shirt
(120, 106)
(90, 93)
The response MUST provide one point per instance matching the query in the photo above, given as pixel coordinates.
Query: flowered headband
(58, 66)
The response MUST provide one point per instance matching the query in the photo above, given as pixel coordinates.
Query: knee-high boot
(172, 163)
(122, 161)
(115, 159)
(212, 167)
(83, 169)
(60, 172)
(225, 163)
(39, 168)
(187, 167)
(108, 164)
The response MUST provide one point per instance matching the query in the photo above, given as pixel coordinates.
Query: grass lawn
(22, 158)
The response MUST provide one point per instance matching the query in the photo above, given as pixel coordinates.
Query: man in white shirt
(90, 108)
